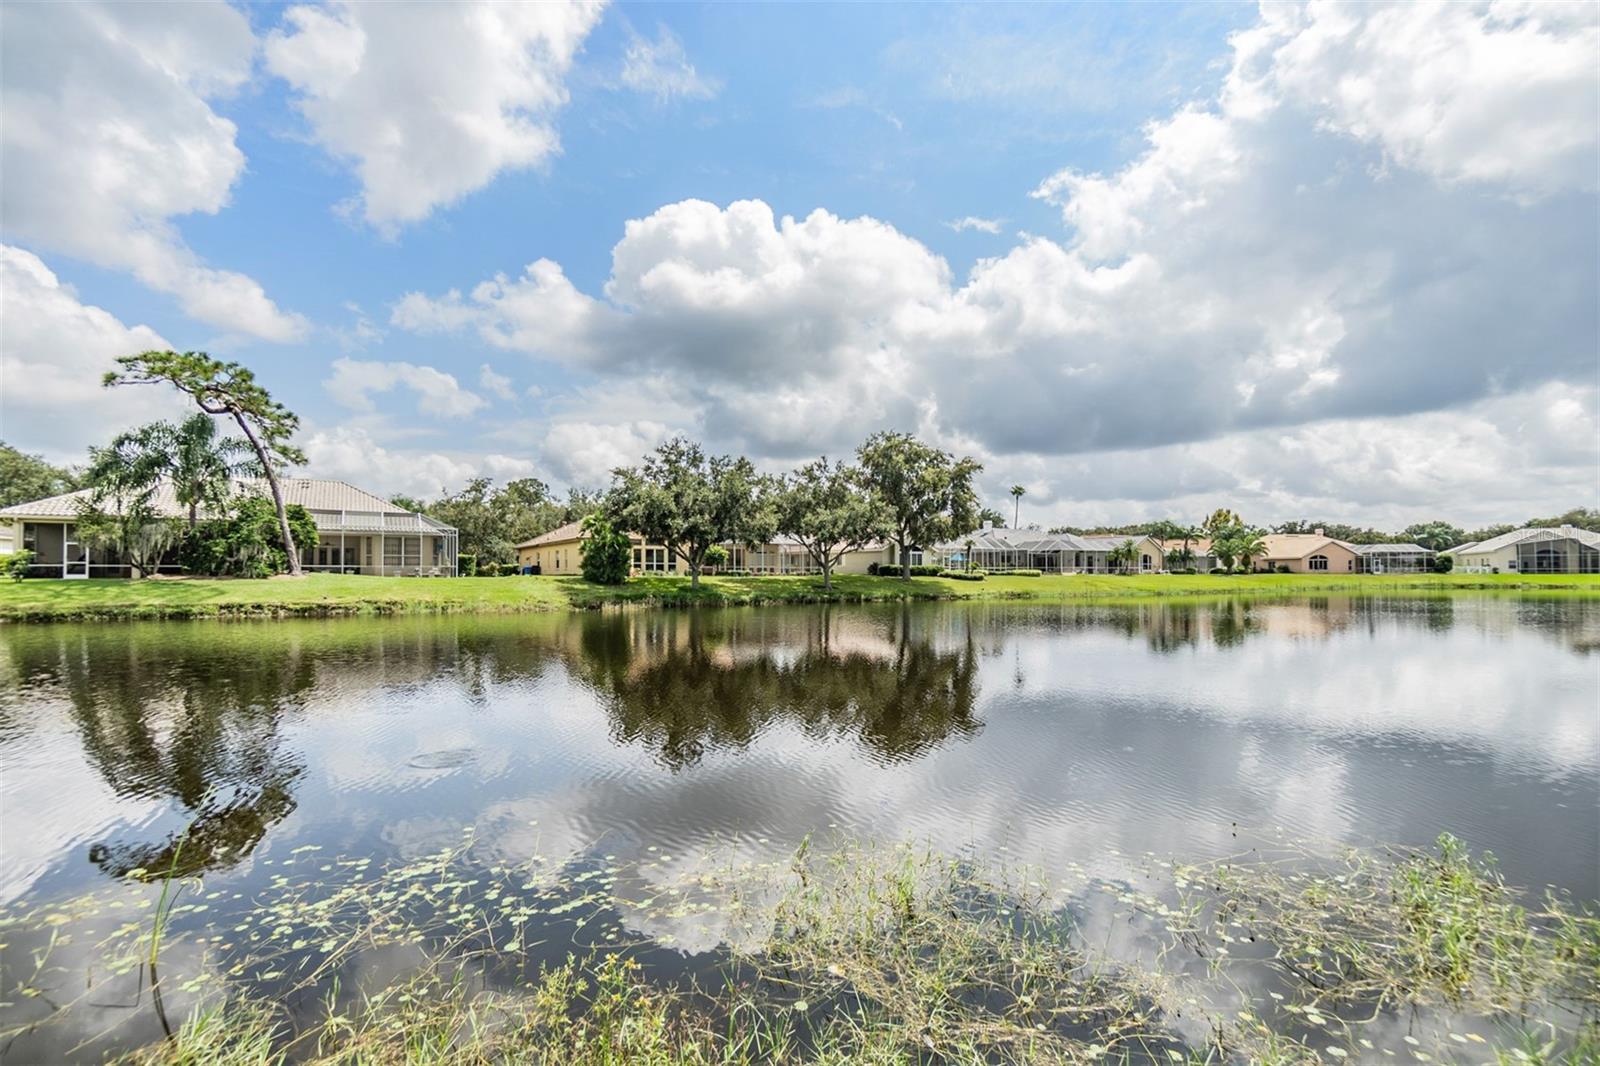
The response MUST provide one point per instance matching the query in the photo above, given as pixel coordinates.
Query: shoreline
(331, 596)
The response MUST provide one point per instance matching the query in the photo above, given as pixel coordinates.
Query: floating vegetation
(858, 954)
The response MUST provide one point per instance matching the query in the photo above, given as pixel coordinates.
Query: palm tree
(200, 466)
(1017, 492)
(1123, 555)
(1248, 545)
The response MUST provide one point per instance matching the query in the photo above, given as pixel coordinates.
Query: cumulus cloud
(430, 102)
(109, 135)
(660, 68)
(53, 351)
(353, 454)
(1277, 276)
(438, 393)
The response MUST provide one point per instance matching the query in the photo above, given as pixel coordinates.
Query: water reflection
(1064, 730)
(680, 684)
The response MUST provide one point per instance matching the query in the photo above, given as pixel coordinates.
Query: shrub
(1283, 568)
(1218, 570)
(889, 570)
(467, 564)
(17, 564)
(246, 542)
(717, 556)
(607, 554)
(1443, 564)
(962, 575)
(1188, 570)
(736, 572)
(489, 569)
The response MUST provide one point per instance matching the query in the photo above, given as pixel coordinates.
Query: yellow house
(560, 552)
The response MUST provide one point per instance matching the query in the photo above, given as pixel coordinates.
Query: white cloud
(430, 102)
(353, 454)
(1256, 273)
(972, 222)
(438, 394)
(1501, 92)
(495, 383)
(660, 68)
(53, 351)
(584, 453)
(109, 136)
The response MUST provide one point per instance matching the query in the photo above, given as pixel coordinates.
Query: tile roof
(1517, 536)
(570, 531)
(1296, 545)
(314, 494)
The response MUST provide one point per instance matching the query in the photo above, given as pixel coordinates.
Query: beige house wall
(1503, 559)
(564, 558)
(1341, 560)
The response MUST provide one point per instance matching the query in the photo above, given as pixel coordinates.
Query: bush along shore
(325, 595)
(1286, 953)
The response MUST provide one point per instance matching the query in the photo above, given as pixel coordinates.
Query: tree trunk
(694, 574)
(827, 578)
(277, 494)
(194, 508)
(905, 559)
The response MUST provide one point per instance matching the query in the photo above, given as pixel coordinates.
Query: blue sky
(1194, 238)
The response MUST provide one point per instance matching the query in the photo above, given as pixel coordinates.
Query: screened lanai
(1393, 558)
(1028, 549)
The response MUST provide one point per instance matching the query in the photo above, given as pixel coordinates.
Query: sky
(1316, 260)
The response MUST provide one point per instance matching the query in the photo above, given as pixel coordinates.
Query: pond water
(1048, 734)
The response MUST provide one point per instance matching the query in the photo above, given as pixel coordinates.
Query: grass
(889, 954)
(321, 595)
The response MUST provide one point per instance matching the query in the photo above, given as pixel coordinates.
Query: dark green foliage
(1443, 564)
(927, 493)
(891, 570)
(25, 478)
(681, 498)
(1022, 572)
(825, 507)
(245, 541)
(607, 553)
(490, 522)
(489, 569)
(228, 389)
(467, 564)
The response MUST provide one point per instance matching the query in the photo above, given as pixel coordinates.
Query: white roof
(314, 494)
(1393, 549)
(1517, 536)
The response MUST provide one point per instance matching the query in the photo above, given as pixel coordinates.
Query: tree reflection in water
(164, 722)
(682, 685)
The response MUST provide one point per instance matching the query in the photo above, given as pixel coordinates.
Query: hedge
(962, 575)
(890, 570)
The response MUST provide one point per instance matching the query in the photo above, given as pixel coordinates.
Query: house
(1393, 558)
(1307, 553)
(560, 552)
(1532, 550)
(1202, 558)
(997, 548)
(357, 532)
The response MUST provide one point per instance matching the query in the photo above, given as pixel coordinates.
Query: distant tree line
(1436, 535)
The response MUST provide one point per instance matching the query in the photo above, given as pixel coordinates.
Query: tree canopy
(928, 492)
(229, 389)
(829, 511)
(687, 501)
(25, 478)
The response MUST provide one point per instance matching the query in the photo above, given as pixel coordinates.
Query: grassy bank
(1285, 954)
(321, 595)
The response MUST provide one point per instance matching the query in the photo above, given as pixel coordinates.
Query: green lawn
(329, 594)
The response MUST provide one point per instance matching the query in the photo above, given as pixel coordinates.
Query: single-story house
(1393, 558)
(560, 552)
(1532, 550)
(1202, 557)
(357, 532)
(998, 548)
(1307, 553)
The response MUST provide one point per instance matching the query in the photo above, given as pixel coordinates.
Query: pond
(645, 743)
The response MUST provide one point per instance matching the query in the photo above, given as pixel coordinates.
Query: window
(30, 536)
(654, 560)
(1144, 562)
(1317, 562)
